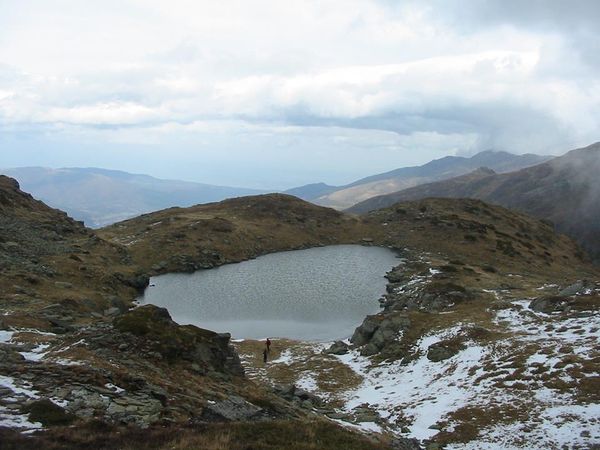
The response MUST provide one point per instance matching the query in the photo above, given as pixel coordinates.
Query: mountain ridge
(564, 190)
(345, 196)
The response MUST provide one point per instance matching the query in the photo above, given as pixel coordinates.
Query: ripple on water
(315, 294)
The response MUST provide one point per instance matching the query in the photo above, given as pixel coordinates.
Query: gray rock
(337, 348)
(337, 416)
(10, 354)
(441, 351)
(363, 333)
(382, 336)
(368, 417)
(63, 284)
(369, 350)
(112, 311)
(573, 289)
(232, 409)
(141, 410)
(549, 305)
(397, 276)
(307, 404)
(287, 390)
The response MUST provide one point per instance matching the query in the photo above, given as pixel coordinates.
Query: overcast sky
(278, 93)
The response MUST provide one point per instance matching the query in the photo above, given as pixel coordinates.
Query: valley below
(486, 336)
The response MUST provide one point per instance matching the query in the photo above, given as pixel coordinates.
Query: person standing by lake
(268, 343)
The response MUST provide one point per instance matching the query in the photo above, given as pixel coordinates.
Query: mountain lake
(318, 294)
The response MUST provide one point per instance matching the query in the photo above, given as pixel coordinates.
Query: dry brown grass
(274, 435)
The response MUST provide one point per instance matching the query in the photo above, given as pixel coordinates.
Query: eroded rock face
(209, 350)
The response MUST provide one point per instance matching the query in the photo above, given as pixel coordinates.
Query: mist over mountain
(564, 190)
(448, 167)
(100, 197)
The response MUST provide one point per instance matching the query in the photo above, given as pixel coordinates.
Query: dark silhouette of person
(268, 345)
(265, 352)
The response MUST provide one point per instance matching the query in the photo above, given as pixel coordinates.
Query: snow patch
(37, 353)
(6, 336)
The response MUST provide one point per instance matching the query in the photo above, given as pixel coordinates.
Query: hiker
(268, 345)
(265, 355)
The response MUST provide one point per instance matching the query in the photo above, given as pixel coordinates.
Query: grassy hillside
(203, 236)
(100, 197)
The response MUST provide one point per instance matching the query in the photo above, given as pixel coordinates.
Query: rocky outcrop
(208, 350)
(432, 296)
(378, 331)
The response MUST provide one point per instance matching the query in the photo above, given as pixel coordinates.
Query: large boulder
(443, 350)
(337, 348)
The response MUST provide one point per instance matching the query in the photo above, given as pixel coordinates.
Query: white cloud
(230, 72)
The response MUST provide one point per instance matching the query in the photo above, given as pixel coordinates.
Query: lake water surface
(316, 294)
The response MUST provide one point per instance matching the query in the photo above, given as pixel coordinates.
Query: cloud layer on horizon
(294, 81)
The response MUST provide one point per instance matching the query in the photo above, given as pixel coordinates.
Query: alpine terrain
(486, 338)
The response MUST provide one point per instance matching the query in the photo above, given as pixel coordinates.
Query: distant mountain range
(341, 197)
(100, 197)
(564, 190)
